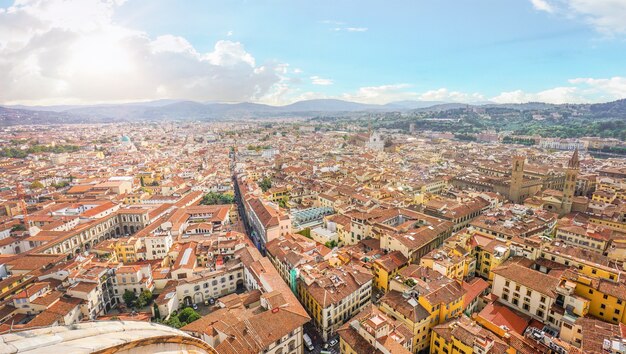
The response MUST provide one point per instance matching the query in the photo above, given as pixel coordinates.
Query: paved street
(318, 341)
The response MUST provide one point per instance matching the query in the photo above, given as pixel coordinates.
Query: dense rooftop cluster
(368, 241)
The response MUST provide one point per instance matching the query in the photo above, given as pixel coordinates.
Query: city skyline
(85, 52)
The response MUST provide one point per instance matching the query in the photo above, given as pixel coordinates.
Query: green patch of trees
(36, 185)
(619, 150)
(465, 137)
(132, 300)
(183, 318)
(258, 148)
(518, 140)
(306, 233)
(19, 227)
(36, 149)
(331, 244)
(213, 198)
(60, 185)
(265, 184)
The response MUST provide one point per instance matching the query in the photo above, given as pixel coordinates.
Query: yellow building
(277, 194)
(489, 254)
(412, 314)
(333, 295)
(582, 261)
(149, 177)
(604, 196)
(591, 237)
(386, 267)
(607, 299)
(423, 298)
(617, 223)
(126, 249)
(444, 303)
(449, 262)
(464, 336)
(372, 331)
(12, 285)
(135, 198)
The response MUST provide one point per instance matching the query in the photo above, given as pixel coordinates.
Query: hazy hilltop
(185, 110)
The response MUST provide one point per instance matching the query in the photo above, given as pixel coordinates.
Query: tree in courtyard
(265, 184)
(129, 298)
(144, 298)
(188, 315)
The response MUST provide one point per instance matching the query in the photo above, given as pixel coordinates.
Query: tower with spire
(569, 188)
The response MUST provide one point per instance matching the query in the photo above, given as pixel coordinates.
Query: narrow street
(309, 328)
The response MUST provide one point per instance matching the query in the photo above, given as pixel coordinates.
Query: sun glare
(101, 54)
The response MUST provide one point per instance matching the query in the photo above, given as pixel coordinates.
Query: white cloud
(399, 92)
(332, 22)
(172, 44)
(445, 95)
(380, 94)
(339, 26)
(607, 89)
(356, 29)
(316, 80)
(581, 90)
(71, 51)
(229, 53)
(350, 29)
(606, 16)
(542, 5)
(556, 95)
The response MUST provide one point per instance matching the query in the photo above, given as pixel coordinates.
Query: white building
(158, 244)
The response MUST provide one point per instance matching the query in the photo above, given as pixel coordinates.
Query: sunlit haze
(279, 52)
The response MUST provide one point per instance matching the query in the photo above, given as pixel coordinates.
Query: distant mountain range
(178, 109)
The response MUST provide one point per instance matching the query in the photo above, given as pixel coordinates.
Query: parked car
(194, 306)
(308, 342)
(333, 342)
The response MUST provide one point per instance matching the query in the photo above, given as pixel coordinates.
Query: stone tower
(517, 178)
(570, 183)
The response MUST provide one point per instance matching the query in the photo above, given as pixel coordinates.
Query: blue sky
(369, 51)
